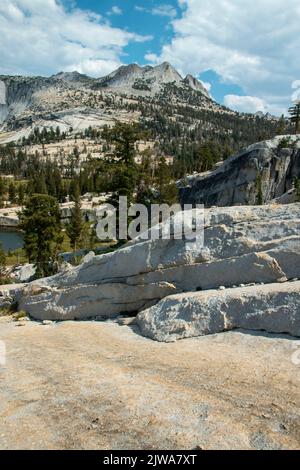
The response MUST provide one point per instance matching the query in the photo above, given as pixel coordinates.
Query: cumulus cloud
(42, 37)
(160, 10)
(253, 104)
(254, 46)
(115, 10)
(164, 10)
(296, 91)
(245, 104)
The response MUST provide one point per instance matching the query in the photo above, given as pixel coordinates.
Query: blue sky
(153, 18)
(134, 19)
(247, 57)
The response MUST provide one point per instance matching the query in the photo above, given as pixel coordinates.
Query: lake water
(11, 239)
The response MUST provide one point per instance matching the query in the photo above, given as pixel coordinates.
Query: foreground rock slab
(242, 245)
(274, 308)
(93, 385)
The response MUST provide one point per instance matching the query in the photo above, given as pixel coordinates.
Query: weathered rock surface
(90, 300)
(8, 294)
(25, 273)
(289, 197)
(264, 170)
(6, 302)
(92, 385)
(9, 222)
(273, 308)
(242, 245)
(10, 289)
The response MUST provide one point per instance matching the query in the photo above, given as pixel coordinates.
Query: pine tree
(57, 133)
(2, 187)
(74, 190)
(281, 126)
(40, 221)
(58, 184)
(12, 193)
(75, 226)
(124, 136)
(39, 185)
(94, 240)
(168, 192)
(2, 191)
(295, 116)
(21, 193)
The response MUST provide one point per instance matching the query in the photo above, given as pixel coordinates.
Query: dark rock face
(193, 83)
(263, 172)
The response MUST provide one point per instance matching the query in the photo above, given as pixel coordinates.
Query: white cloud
(160, 10)
(152, 58)
(254, 45)
(164, 10)
(115, 10)
(139, 8)
(245, 104)
(296, 91)
(42, 37)
(253, 104)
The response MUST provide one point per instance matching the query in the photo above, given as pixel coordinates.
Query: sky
(245, 52)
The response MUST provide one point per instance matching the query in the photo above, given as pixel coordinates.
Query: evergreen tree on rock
(40, 221)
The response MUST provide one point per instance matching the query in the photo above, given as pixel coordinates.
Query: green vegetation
(16, 257)
(295, 116)
(285, 143)
(8, 311)
(281, 126)
(195, 140)
(44, 136)
(4, 278)
(19, 315)
(123, 138)
(140, 84)
(40, 221)
(75, 227)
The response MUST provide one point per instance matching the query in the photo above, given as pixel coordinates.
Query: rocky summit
(217, 286)
(40, 100)
(172, 107)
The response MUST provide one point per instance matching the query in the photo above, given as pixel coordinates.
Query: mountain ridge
(24, 98)
(176, 110)
(165, 72)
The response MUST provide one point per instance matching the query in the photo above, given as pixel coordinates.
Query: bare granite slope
(91, 385)
(67, 96)
(242, 246)
(263, 172)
